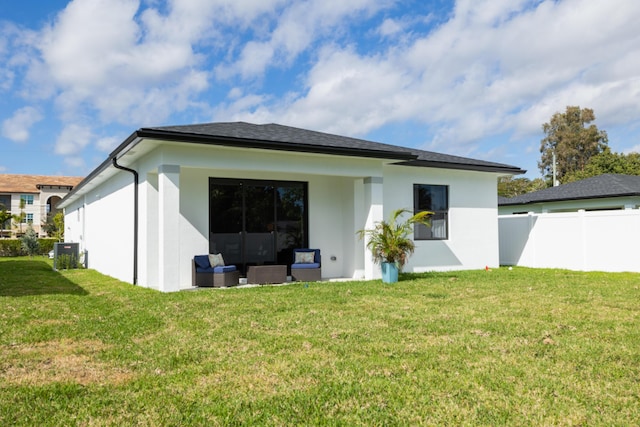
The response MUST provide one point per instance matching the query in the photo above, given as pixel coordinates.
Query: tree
(608, 162)
(571, 140)
(18, 219)
(30, 243)
(54, 227)
(4, 217)
(390, 241)
(509, 186)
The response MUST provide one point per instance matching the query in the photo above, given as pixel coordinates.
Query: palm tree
(19, 218)
(4, 217)
(389, 241)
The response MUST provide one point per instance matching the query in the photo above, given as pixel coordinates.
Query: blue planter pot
(389, 272)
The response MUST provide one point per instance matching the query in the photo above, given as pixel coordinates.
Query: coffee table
(262, 274)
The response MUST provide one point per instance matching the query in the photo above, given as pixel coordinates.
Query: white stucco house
(169, 193)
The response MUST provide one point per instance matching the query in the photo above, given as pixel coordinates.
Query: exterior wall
(102, 223)
(586, 241)
(473, 219)
(34, 209)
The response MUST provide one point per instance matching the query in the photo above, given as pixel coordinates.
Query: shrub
(30, 243)
(13, 247)
(10, 247)
(46, 245)
(66, 262)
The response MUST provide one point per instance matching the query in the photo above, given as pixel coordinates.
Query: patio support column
(149, 256)
(374, 210)
(168, 228)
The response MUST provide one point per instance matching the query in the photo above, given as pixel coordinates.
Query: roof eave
(126, 145)
(506, 169)
(147, 133)
(271, 145)
(567, 199)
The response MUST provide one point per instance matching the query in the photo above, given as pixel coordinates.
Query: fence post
(532, 237)
(583, 235)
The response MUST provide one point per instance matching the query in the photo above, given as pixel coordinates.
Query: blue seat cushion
(202, 261)
(224, 268)
(306, 265)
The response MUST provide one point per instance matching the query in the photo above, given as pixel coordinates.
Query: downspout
(135, 218)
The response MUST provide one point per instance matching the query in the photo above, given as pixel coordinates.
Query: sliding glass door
(256, 222)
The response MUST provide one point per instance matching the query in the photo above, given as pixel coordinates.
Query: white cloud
(634, 149)
(489, 68)
(495, 67)
(17, 127)
(75, 162)
(390, 27)
(73, 139)
(107, 144)
(299, 25)
(126, 64)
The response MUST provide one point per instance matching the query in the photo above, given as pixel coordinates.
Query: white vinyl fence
(587, 241)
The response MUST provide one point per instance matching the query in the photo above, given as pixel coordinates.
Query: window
(5, 202)
(434, 198)
(28, 219)
(28, 199)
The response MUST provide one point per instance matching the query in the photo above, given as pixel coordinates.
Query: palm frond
(389, 241)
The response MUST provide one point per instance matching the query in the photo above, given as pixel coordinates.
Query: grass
(504, 347)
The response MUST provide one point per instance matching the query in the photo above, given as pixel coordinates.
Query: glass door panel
(225, 206)
(290, 227)
(259, 224)
(256, 222)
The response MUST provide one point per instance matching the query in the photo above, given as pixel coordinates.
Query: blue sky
(474, 78)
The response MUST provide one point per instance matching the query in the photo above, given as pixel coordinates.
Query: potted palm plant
(390, 244)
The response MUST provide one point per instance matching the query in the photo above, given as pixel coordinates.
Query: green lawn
(504, 347)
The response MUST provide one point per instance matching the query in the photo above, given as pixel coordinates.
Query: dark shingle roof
(286, 138)
(274, 136)
(601, 186)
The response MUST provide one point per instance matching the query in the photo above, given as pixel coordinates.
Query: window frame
(443, 213)
(28, 199)
(5, 201)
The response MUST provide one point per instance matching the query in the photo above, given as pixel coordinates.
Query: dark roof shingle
(601, 186)
(291, 138)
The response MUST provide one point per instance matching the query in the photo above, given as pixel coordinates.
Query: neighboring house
(593, 224)
(608, 191)
(256, 192)
(40, 194)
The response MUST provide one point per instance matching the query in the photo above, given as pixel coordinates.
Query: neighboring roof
(597, 187)
(32, 183)
(279, 137)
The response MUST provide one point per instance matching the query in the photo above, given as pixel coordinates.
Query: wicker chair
(306, 265)
(203, 274)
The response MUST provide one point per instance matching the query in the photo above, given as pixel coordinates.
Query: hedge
(13, 247)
